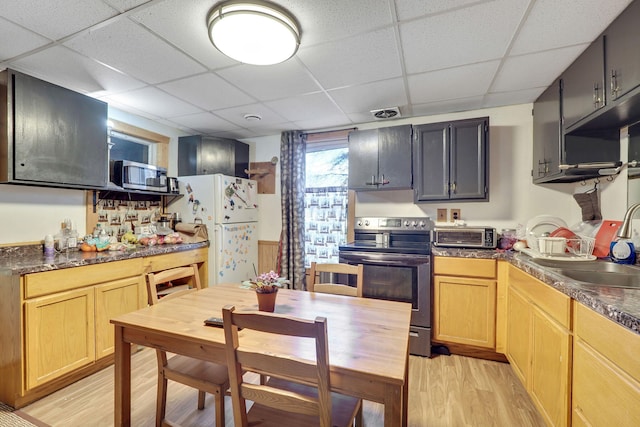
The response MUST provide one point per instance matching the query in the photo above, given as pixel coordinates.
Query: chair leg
(201, 396)
(358, 419)
(219, 397)
(161, 405)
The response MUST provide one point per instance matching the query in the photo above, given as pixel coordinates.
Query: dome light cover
(253, 32)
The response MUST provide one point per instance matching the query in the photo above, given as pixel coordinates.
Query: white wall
(514, 199)
(27, 214)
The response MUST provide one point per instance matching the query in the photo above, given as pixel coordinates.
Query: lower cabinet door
(465, 311)
(550, 376)
(518, 334)
(112, 299)
(603, 395)
(59, 335)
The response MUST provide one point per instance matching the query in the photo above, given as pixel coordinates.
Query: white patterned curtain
(292, 173)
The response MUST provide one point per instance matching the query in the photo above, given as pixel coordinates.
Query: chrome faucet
(624, 232)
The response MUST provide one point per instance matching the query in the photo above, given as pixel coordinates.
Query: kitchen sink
(603, 278)
(590, 266)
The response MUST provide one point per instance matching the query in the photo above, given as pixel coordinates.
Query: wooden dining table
(368, 340)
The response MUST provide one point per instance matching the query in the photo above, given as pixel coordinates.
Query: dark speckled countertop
(18, 260)
(618, 304)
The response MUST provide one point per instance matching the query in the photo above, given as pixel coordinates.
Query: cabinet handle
(596, 96)
(383, 181)
(453, 187)
(373, 181)
(614, 84)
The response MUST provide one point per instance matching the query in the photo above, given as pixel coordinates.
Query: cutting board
(606, 234)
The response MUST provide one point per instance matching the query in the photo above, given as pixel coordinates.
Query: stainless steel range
(396, 254)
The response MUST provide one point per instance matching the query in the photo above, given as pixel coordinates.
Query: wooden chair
(204, 376)
(298, 390)
(336, 288)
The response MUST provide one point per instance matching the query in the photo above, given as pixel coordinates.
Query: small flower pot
(267, 301)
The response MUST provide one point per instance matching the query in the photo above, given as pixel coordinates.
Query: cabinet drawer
(618, 344)
(556, 304)
(176, 259)
(467, 267)
(49, 282)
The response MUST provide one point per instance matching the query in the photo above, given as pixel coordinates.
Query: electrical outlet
(455, 215)
(442, 215)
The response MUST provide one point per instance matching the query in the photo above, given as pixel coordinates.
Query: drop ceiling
(154, 58)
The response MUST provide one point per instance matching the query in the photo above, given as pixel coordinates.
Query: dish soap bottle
(622, 251)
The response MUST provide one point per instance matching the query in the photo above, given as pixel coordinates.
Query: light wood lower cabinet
(465, 301)
(59, 335)
(606, 372)
(56, 324)
(539, 344)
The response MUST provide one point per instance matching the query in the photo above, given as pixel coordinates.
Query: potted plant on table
(266, 286)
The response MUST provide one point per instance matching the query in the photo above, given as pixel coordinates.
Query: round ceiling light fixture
(253, 32)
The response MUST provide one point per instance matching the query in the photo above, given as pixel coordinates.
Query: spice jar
(507, 238)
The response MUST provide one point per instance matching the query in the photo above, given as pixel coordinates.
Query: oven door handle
(398, 262)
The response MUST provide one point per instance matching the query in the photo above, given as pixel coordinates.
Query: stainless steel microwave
(138, 176)
(465, 237)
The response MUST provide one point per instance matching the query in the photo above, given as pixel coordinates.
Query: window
(127, 147)
(325, 199)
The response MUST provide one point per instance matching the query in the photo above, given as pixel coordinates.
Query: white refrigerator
(228, 206)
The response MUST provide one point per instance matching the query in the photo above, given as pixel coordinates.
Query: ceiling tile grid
(154, 58)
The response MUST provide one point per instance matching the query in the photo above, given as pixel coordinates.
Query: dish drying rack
(577, 248)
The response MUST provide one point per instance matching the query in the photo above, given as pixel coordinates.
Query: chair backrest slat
(336, 288)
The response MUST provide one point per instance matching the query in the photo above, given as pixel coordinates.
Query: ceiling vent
(386, 113)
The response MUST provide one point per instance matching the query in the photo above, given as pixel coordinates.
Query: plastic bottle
(49, 250)
(622, 251)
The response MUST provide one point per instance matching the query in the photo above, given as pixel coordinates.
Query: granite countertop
(18, 260)
(618, 304)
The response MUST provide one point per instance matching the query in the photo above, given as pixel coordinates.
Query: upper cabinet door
(394, 157)
(431, 162)
(622, 58)
(363, 159)
(547, 137)
(469, 159)
(583, 84)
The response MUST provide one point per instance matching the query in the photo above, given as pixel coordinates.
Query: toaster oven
(465, 237)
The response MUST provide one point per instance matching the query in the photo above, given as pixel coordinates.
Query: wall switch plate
(442, 215)
(455, 215)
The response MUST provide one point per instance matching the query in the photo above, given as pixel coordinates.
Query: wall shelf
(134, 196)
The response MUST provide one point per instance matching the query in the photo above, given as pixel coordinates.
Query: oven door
(396, 277)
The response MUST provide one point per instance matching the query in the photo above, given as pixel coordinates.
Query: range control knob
(406, 223)
(359, 223)
(414, 223)
(422, 224)
(366, 222)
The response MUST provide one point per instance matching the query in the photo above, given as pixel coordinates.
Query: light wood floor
(443, 391)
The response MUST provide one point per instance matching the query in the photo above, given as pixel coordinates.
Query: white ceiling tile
(553, 23)
(148, 59)
(278, 81)
(304, 107)
(205, 123)
(359, 59)
(449, 106)
(67, 68)
(56, 19)
(323, 122)
(155, 102)
(525, 72)
(236, 115)
(22, 40)
(326, 20)
(410, 9)
(184, 23)
(207, 91)
(512, 98)
(447, 40)
(367, 97)
(124, 5)
(454, 83)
